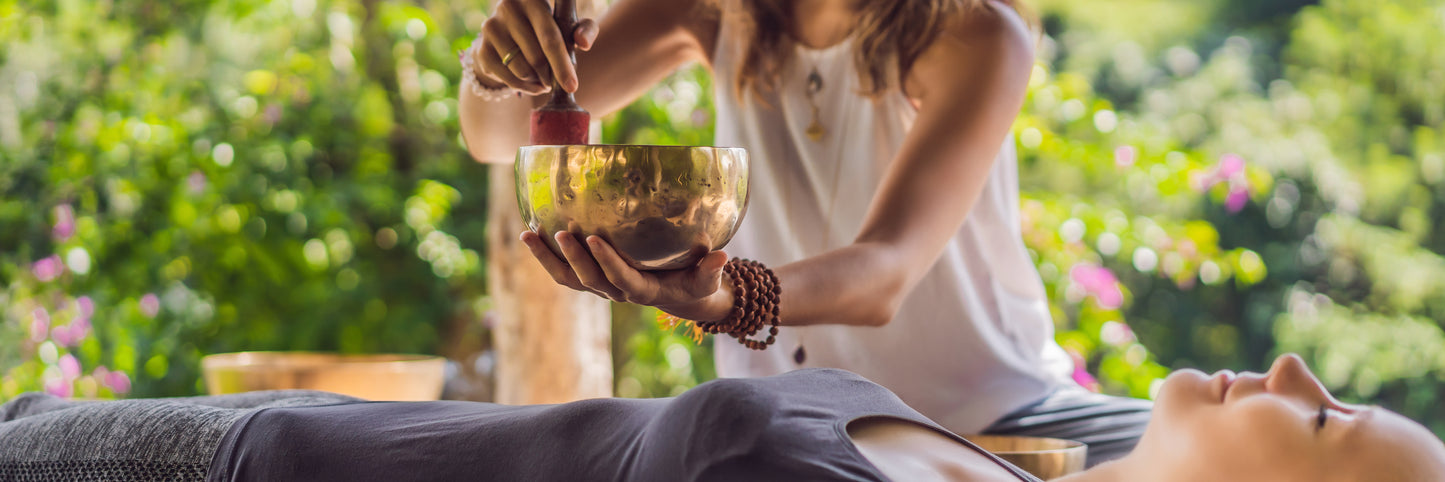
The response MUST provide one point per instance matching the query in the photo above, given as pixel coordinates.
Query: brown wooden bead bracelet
(756, 293)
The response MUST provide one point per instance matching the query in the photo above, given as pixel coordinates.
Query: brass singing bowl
(372, 377)
(1046, 458)
(660, 207)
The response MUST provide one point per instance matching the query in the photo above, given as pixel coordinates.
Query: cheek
(1258, 440)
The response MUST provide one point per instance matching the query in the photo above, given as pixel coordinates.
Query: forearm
(860, 284)
(493, 130)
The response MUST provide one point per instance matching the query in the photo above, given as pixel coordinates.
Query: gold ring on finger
(507, 59)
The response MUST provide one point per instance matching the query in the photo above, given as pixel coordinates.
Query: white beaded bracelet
(469, 77)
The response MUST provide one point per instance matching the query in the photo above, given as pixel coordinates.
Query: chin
(1182, 388)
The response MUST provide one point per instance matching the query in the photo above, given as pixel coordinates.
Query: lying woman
(812, 424)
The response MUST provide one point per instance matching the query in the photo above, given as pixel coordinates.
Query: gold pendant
(815, 85)
(815, 131)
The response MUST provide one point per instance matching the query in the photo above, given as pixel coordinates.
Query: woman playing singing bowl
(883, 225)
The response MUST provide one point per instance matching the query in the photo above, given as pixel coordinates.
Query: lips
(1223, 380)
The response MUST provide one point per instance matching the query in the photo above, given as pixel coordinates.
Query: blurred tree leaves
(274, 174)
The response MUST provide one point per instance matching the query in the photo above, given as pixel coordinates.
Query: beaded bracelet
(756, 292)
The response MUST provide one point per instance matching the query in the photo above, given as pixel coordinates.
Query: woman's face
(1279, 426)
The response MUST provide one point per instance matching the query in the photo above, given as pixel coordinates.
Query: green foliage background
(1208, 184)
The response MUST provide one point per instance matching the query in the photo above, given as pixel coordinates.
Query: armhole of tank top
(842, 428)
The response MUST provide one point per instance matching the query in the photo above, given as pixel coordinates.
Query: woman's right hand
(525, 30)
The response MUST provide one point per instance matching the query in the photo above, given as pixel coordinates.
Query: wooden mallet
(561, 121)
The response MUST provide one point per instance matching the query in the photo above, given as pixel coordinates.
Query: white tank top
(974, 340)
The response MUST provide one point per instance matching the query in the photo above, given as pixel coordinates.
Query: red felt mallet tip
(559, 127)
(561, 121)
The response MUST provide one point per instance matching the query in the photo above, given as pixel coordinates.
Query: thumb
(708, 273)
(585, 34)
(714, 262)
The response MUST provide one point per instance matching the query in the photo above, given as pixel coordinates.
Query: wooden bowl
(372, 377)
(1046, 458)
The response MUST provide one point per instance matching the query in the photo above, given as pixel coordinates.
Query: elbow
(484, 155)
(886, 300)
(491, 131)
(882, 314)
(878, 318)
(484, 148)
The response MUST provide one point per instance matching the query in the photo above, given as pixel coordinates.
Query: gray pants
(43, 438)
(1111, 426)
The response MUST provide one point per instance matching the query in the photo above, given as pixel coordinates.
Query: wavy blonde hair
(890, 35)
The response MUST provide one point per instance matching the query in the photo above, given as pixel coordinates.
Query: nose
(1290, 376)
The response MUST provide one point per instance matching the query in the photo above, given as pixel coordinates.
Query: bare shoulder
(992, 38)
(994, 24)
(904, 450)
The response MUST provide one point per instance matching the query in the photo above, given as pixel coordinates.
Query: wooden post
(552, 344)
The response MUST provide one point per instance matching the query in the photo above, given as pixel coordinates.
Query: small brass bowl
(660, 207)
(372, 377)
(1046, 458)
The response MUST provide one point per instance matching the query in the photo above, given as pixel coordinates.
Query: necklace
(815, 133)
(815, 85)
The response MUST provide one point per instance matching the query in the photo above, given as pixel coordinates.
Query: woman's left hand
(685, 292)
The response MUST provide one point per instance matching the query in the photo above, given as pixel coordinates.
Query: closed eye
(1322, 417)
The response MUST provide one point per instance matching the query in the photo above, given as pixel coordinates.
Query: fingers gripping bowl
(660, 207)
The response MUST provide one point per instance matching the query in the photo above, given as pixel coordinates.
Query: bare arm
(637, 43)
(969, 86)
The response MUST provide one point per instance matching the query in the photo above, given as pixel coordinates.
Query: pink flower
(196, 182)
(39, 324)
(69, 367)
(61, 335)
(1230, 164)
(48, 269)
(1099, 282)
(1111, 298)
(72, 334)
(1084, 379)
(79, 331)
(86, 306)
(1080, 375)
(1124, 156)
(117, 381)
(60, 388)
(99, 373)
(150, 305)
(1238, 196)
(64, 222)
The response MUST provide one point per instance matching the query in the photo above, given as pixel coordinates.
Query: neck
(822, 23)
(1112, 471)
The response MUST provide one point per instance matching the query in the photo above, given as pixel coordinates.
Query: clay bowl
(661, 207)
(373, 377)
(1046, 458)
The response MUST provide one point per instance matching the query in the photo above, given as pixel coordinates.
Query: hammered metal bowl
(373, 377)
(1046, 458)
(661, 207)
